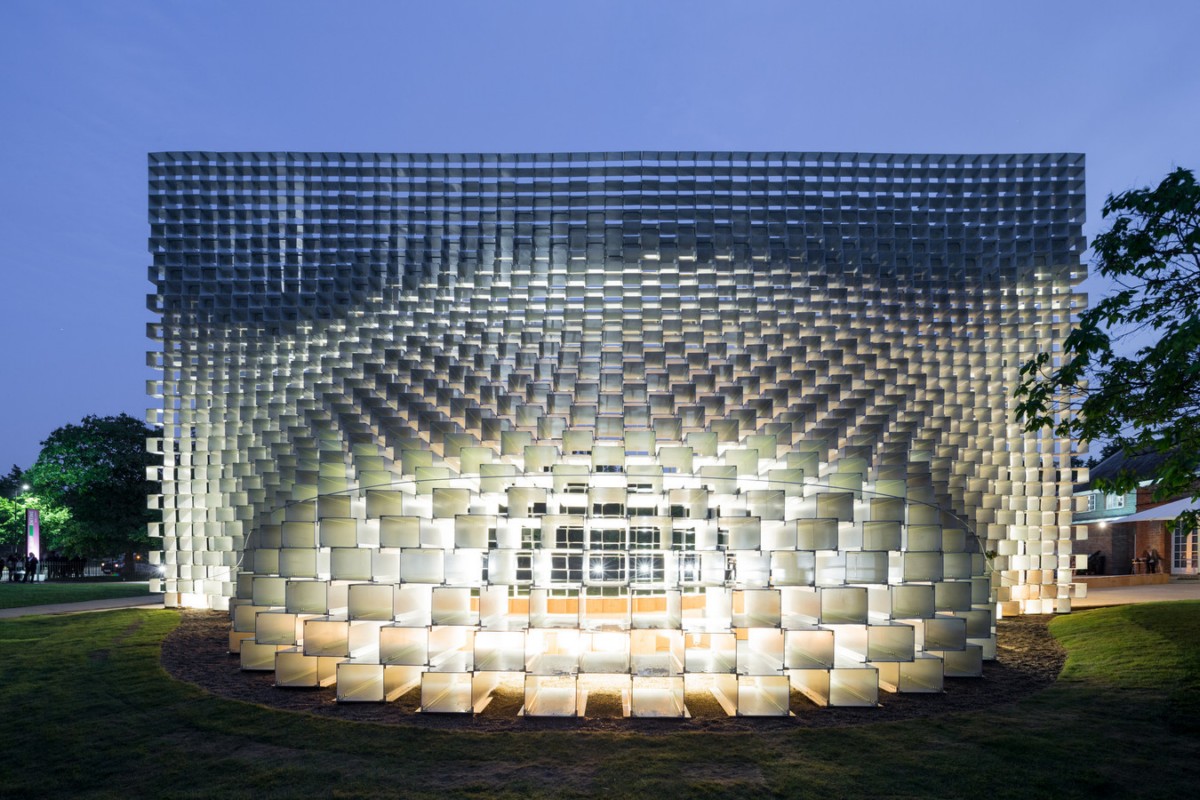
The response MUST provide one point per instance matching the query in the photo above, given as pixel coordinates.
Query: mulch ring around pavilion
(1028, 659)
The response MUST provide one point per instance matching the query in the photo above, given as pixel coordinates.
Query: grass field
(18, 595)
(89, 712)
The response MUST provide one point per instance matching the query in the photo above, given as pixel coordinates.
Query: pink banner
(33, 530)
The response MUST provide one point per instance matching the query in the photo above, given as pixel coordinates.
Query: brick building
(1132, 533)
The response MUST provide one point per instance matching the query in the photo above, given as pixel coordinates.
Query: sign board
(33, 532)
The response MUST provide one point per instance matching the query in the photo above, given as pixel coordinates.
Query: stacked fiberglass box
(658, 424)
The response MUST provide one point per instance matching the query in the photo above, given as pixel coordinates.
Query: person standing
(12, 566)
(31, 566)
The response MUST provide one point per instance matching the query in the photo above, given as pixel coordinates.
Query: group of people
(1152, 559)
(29, 567)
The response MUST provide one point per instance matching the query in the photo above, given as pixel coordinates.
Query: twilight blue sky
(88, 88)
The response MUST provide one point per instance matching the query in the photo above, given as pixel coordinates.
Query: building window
(524, 567)
(568, 537)
(531, 537)
(1114, 501)
(649, 568)
(644, 538)
(1185, 555)
(1093, 501)
(683, 538)
(606, 569)
(566, 568)
(689, 567)
(600, 539)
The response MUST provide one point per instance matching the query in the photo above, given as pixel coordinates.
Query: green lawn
(86, 697)
(18, 595)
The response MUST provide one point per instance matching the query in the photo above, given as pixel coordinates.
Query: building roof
(1167, 511)
(1143, 464)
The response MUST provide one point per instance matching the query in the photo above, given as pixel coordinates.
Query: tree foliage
(10, 484)
(55, 522)
(1129, 372)
(98, 471)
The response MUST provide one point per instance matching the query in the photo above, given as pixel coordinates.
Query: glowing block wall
(739, 423)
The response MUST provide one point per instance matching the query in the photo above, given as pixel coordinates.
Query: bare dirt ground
(1028, 660)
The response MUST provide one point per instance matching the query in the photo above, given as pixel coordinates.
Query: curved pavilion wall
(738, 423)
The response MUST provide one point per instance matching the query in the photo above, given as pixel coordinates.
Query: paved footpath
(141, 601)
(1124, 595)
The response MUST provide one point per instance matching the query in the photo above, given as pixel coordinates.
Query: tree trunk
(129, 571)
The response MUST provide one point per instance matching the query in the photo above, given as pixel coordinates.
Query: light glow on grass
(111, 722)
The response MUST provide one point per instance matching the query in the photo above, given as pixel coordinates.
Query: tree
(1106, 450)
(98, 471)
(1149, 400)
(12, 483)
(55, 522)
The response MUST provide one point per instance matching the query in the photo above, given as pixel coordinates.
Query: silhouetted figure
(12, 566)
(1152, 559)
(31, 566)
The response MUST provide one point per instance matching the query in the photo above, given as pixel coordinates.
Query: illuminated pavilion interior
(737, 424)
